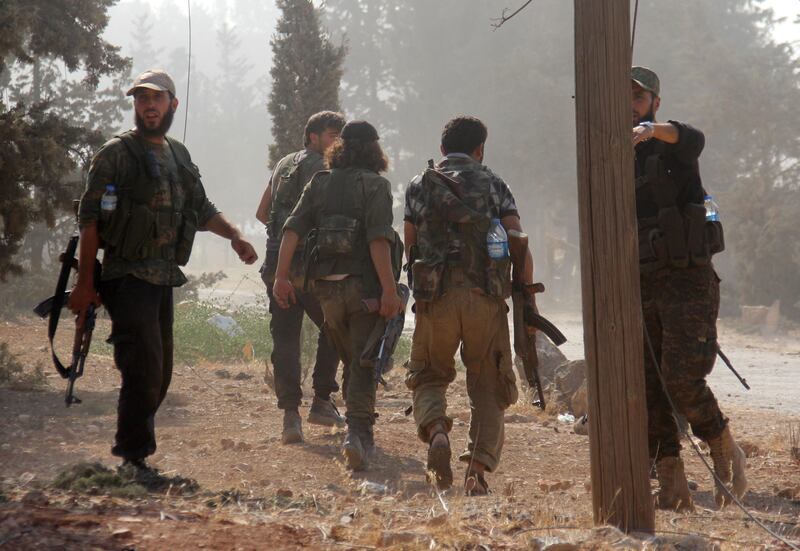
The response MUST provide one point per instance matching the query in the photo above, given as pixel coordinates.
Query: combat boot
(292, 427)
(729, 466)
(323, 412)
(353, 451)
(673, 489)
(358, 445)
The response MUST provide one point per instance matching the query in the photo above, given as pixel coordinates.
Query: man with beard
(291, 174)
(680, 298)
(143, 203)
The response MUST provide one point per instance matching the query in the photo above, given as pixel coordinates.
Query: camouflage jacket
(114, 164)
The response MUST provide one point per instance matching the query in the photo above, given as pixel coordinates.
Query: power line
(188, 72)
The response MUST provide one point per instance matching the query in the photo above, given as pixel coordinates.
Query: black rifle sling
(58, 301)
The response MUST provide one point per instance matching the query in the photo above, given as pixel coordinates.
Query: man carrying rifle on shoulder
(143, 203)
(457, 215)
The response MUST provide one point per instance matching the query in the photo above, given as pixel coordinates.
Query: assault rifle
(51, 308)
(527, 318)
(381, 353)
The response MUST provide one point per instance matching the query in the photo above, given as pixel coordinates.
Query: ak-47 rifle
(381, 353)
(527, 319)
(51, 308)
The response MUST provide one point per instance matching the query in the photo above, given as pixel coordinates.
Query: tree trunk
(609, 267)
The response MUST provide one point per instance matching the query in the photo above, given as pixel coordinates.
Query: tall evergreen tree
(306, 73)
(40, 144)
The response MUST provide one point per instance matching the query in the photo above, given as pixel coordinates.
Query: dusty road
(257, 494)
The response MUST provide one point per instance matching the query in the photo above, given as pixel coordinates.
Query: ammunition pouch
(675, 237)
(337, 235)
(498, 277)
(690, 240)
(426, 278)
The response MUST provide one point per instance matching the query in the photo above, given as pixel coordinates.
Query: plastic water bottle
(712, 209)
(108, 202)
(497, 240)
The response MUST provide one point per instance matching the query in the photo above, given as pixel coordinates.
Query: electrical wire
(633, 32)
(699, 453)
(188, 72)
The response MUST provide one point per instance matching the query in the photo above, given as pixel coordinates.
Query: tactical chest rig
(451, 234)
(338, 245)
(136, 230)
(676, 237)
(287, 193)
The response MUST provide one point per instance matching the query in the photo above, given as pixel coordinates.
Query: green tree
(41, 146)
(306, 73)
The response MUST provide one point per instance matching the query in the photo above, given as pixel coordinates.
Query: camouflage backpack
(451, 232)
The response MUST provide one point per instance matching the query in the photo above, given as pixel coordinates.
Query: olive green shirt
(376, 216)
(113, 164)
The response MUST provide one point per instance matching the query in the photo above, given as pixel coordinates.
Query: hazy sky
(786, 32)
(255, 47)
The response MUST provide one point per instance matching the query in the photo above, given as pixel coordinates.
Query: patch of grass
(126, 482)
(94, 478)
(197, 339)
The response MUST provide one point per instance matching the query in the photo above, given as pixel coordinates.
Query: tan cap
(154, 79)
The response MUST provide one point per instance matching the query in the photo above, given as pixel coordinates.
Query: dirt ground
(257, 494)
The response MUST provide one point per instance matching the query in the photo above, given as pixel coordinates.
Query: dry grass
(794, 441)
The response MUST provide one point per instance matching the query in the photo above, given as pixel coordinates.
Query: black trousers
(285, 327)
(141, 332)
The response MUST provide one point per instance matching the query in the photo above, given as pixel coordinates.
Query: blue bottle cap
(111, 187)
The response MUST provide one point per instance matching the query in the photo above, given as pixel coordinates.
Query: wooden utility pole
(612, 315)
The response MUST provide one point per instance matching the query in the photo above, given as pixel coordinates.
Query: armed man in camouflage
(291, 174)
(147, 234)
(460, 294)
(352, 254)
(680, 297)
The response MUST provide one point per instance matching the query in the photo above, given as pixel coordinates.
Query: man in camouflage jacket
(147, 234)
(460, 297)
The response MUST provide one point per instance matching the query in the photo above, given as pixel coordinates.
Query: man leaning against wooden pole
(609, 267)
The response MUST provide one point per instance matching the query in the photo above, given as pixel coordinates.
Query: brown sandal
(475, 484)
(438, 470)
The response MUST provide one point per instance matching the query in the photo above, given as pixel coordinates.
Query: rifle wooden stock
(518, 249)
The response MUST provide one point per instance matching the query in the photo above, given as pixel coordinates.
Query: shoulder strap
(133, 145)
(181, 153)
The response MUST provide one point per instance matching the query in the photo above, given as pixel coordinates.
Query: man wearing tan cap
(143, 203)
(680, 298)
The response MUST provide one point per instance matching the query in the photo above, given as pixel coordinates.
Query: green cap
(154, 79)
(647, 79)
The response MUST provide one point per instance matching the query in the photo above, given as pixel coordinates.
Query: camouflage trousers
(351, 327)
(463, 317)
(680, 314)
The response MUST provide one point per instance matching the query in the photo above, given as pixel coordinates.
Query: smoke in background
(412, 64)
